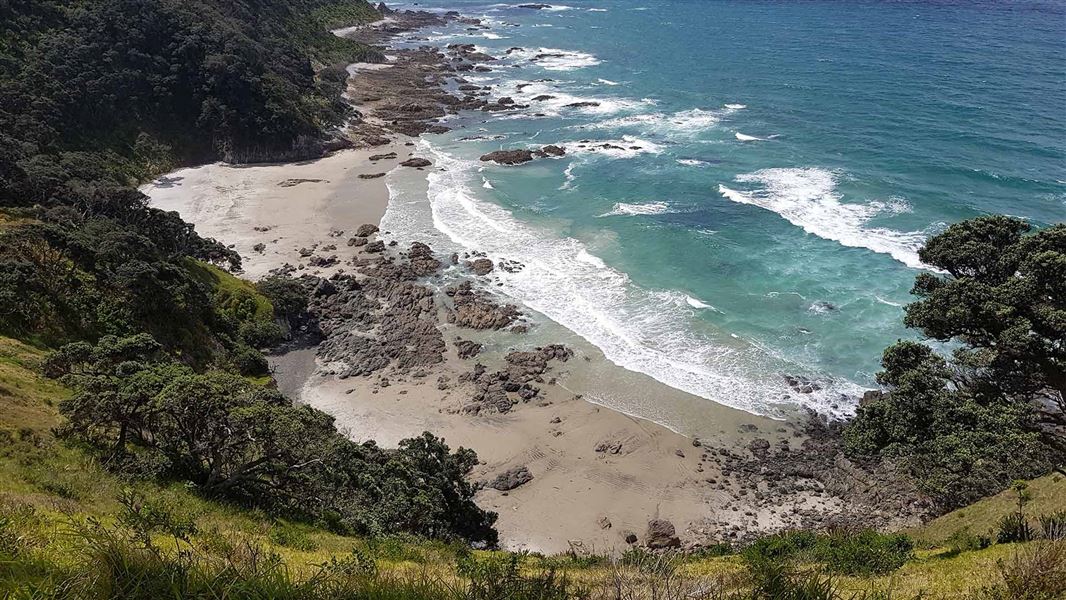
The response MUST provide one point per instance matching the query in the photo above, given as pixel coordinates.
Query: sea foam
(647, 208)
(644, 330)
(807, 198)
(554, 59)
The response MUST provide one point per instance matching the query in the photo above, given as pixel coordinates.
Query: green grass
(65, 490)
(1048, 495)
(234, 294)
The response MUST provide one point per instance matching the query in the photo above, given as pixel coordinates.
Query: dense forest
(160, 346)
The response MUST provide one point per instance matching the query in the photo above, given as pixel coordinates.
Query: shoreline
(598, 475)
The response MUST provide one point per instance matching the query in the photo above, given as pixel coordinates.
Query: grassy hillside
(65, 519)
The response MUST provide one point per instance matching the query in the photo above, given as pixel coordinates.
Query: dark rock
(467, 349)
(553, 150)
(511, 478)
(416, 162)
(375, 247)
(366, 229)
(661, 534)
(481, 266)
(508, 157)
(870, 396)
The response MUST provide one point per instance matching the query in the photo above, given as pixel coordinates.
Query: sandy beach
(597, 475)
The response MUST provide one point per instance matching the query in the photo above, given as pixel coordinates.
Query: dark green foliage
(494, 578)
(249, 444)
(967, 427)
(965, 541)
(1014, 528)
(250, 361)
(259, 334)
(848, 553)
(287, 295)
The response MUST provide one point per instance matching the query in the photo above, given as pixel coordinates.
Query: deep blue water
(773, 168)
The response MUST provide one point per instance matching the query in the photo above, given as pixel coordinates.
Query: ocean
(747, 195)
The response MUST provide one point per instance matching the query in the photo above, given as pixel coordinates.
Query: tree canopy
(994, 412)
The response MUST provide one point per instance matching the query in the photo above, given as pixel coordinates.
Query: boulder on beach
(481, 266)
(511, 478)
(416, 162)
(661, 534)
(366, 229)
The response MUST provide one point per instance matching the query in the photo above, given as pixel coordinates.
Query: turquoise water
(773, 168)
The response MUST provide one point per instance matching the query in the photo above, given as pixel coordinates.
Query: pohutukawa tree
(995, 411)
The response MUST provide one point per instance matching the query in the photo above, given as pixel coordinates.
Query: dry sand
(578, 496)
(285, 207)
(574, 487)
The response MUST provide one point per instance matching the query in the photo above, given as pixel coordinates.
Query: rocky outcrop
(553, 150)
(511, 478)
(515, 157)
(508, 157)
(481, 266)
(380, 318)
(366, 229)
(416, 162)
(467, 349)
(475, 310)
(661, 534)
(502, 390)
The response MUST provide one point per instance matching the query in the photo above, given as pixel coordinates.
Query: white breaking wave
(549, 99)
(888, 302)
(647, 331)
(486, 184)
(700, 304)
(685, 122)
(807, 198)
(691, 162)
(648, 208)
(488, 35)
(743, 137)
(736, 106)
(554, 59)
(608, 82)
(627, 147)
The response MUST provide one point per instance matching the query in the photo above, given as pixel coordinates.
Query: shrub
(250, 361)
(261, 334)
(965, 541)
(288, 535)
(1035, 571)
(1053, 526)
(1014, 528)
(865, 553)
(494, 578)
